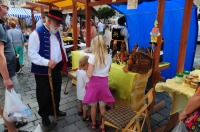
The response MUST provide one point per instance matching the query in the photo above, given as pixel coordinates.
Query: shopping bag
(192, 122)
(14, 109)
(180, 127)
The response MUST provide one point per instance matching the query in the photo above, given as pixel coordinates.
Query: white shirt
(103, 71)
(39, 23)
(34, 47)
(82, 79)
(107, 37)
(100, 27)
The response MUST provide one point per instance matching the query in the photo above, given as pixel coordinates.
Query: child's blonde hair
(83, 61)
(99, 50)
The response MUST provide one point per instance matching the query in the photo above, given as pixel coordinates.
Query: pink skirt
(97, 90)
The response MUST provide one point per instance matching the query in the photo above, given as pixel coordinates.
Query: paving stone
(71, 128)
(29, 125)
(33, 118)
(64, 107)
(72, 98)
(72, 111)
(37, 115)
(27, 97)
(73, 103)
(81, 124)
(61, 124)
(33, 111)
(63, 101)
(72, 119)
(32, 105)
(31, 92)
(85, 129)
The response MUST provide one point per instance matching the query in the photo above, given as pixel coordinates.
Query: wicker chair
(126, 119)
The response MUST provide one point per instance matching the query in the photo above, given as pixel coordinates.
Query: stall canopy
(62, 4)
(23, 13)
(140, 22)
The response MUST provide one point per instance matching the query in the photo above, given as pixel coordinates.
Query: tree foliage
(105, 13)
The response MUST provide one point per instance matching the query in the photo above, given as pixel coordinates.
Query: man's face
(54, 26)
(3, 10)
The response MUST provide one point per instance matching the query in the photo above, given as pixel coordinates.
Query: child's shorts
(84, 106)
(101, 103)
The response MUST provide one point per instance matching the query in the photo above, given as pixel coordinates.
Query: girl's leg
(102, 111)
(93, 116)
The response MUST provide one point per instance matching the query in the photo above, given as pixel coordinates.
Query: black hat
(55, 15)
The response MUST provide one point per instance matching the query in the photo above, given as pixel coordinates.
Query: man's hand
(8, 83)
(52, 64)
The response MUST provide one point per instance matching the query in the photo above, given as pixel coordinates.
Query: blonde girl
(97, 90)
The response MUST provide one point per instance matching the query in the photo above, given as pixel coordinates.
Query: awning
(23, 13)
(61, 3)
(19, 12)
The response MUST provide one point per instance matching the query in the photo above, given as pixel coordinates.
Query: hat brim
(57, 21)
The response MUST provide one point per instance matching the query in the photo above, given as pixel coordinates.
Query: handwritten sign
(132, 4)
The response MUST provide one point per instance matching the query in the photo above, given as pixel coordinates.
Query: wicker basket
(142, 63)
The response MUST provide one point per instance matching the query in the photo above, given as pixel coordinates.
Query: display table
(180, 93)
(128, 88)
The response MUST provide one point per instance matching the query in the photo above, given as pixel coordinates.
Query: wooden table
(179, 93)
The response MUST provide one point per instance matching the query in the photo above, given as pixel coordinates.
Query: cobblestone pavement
(73, 122)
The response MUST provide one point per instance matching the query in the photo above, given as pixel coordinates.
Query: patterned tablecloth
(180, 93)
(128, 88)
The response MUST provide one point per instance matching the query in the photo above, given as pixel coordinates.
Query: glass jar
(186, 73)
(179, 78)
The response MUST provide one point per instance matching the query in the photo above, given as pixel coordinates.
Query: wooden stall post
(156, 72)
(75, 35)
(33, 20)
(88, 27)
(184, 35)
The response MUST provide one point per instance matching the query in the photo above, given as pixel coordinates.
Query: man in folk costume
(46, 50)
(119, 37)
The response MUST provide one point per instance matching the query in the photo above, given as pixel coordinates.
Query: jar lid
(186, 72)
(179, 74)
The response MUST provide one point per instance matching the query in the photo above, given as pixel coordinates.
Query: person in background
(97, 90)
(70, 30)
(93, 30)
(8, 79)
(81, 83)
(15, 19)
(46, 50)
(17, 40)
(100, 26)
(107, 36)
(41, 21)
(119, 34)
